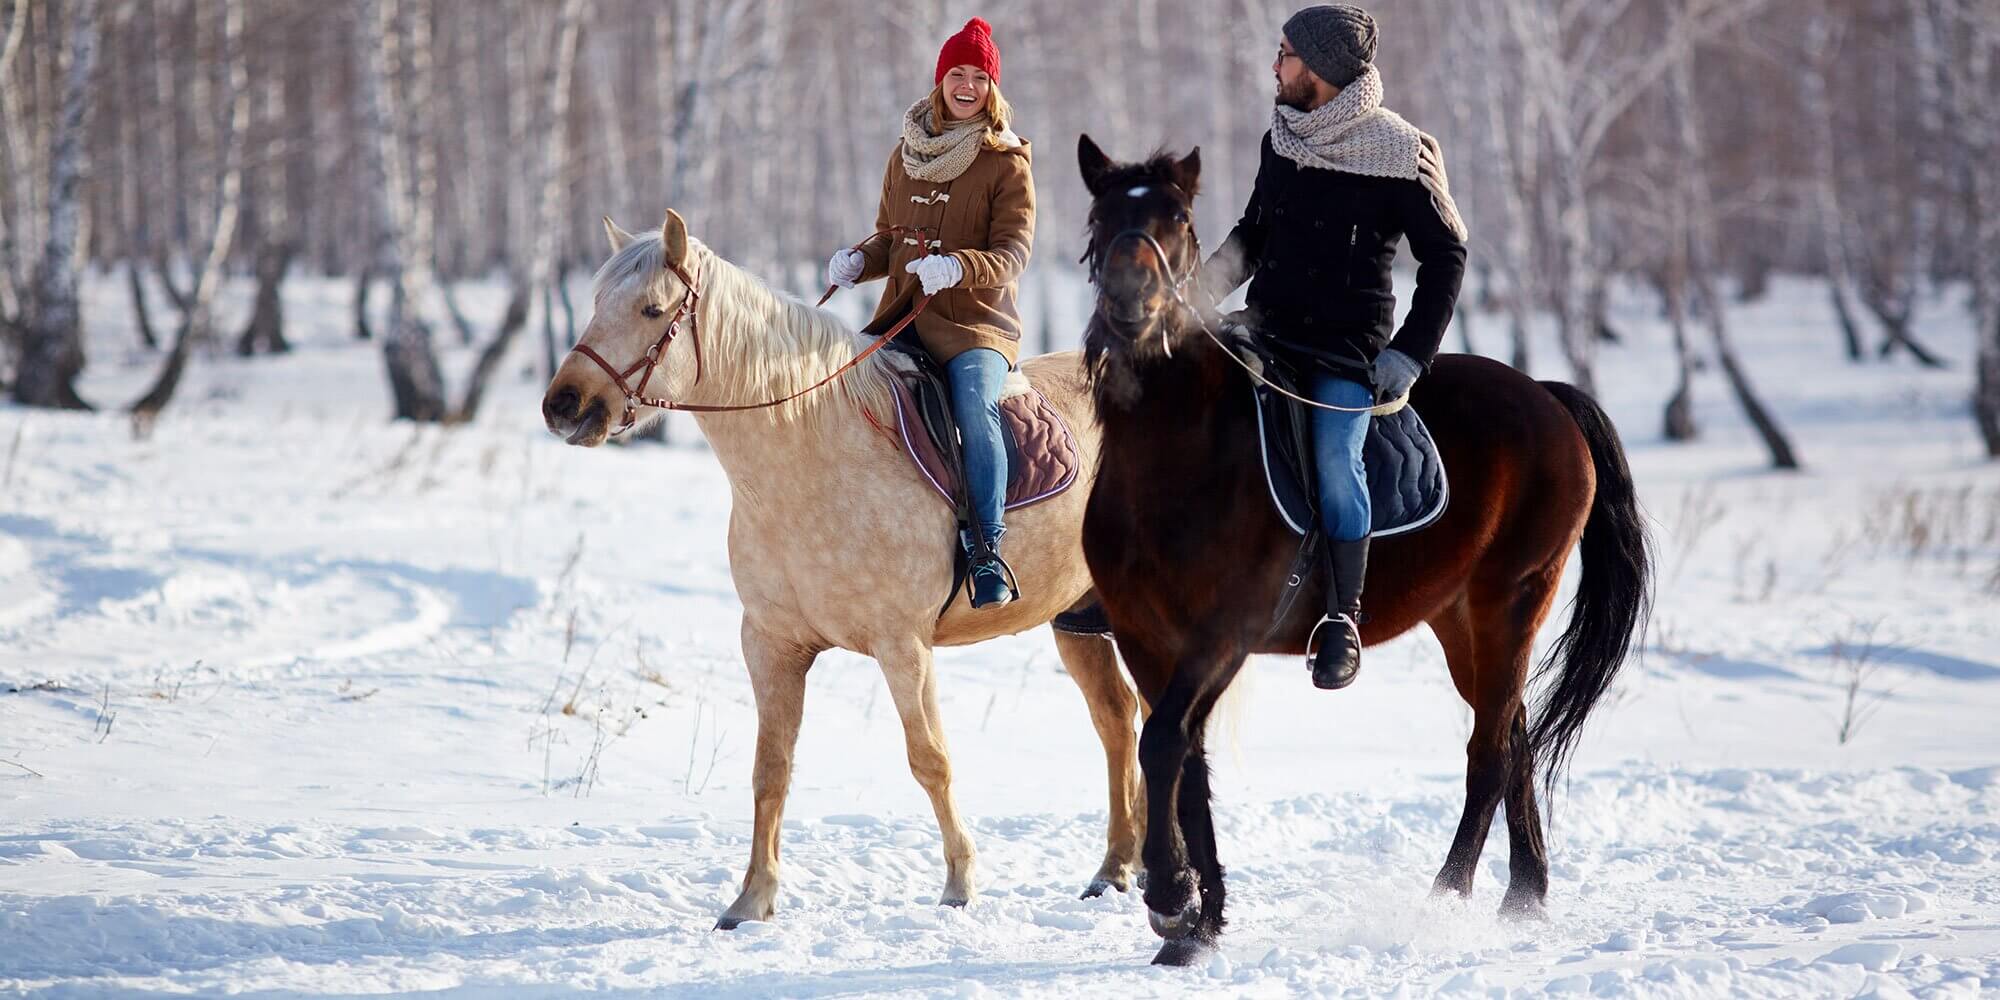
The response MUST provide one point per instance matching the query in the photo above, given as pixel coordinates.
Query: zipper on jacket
(1353, 238)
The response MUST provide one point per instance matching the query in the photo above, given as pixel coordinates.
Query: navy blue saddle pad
(1406, 481)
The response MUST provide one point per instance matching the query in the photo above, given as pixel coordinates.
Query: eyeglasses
(1284, 54)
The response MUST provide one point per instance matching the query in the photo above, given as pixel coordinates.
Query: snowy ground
(296, 701)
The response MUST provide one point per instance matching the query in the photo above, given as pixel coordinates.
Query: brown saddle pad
(1041, 454)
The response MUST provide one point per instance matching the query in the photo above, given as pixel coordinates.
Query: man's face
(1297, 86)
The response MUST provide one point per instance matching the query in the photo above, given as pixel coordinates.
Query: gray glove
(1394, 373)
(1236, 333)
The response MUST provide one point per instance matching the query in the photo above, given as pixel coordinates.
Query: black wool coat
(1317, 246)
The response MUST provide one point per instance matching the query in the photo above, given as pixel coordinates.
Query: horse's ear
(674, 237)
(1094, 163)
(619, 238)
(1187, 172)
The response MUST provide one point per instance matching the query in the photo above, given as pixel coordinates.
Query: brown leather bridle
(635, 395)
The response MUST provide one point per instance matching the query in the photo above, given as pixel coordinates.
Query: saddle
(1407, 489)
(1041, 455)
(1042, 460)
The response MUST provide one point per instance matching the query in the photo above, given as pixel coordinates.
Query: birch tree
(1698, 210)
(197, 311)
(552, 156)
(51, 329)
(400, 258)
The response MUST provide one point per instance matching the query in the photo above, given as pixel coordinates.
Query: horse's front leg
(913, 683)
(1172, 886)
(778, 676)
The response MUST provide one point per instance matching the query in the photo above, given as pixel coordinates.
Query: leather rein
(689, 310)
(1177, 286)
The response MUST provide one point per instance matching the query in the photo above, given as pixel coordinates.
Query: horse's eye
(1181, 218)
(653, 311)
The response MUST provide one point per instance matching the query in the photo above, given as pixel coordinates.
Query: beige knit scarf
(941, 157)
(1355, 133)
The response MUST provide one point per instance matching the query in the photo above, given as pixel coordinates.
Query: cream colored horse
(835, 540)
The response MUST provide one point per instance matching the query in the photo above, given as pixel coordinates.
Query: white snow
(326, 705)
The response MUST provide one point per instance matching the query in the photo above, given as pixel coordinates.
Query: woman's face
(965, 89)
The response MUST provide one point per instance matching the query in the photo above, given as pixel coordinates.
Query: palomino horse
(1189, 557)
(835, 539)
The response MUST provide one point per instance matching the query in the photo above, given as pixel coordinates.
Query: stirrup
(1354, 623)
(1006, 575)
(1314, 651)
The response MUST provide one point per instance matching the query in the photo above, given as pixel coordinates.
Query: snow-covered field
(297, 701)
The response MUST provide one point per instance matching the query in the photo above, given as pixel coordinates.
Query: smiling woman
(952, 235)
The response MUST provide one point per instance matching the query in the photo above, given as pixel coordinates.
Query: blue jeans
(976, 378)
(1344, 513)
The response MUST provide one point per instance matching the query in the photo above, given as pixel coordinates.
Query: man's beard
(1298, 95)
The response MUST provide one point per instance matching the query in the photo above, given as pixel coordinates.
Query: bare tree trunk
(51, 329)
(362, 282)
(1678, 423)
(13, 276)
(197, 321)
(414, 378)
(1978, 129)
(140, 311)
(276, 245)
(548, 188)
(266, 329)
(1699, 216)
(1891, 287)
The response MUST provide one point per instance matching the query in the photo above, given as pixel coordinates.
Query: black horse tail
(1612, 599)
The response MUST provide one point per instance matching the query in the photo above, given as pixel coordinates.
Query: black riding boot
(1336, 658)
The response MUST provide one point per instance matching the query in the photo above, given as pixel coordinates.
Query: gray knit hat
(1336, 40)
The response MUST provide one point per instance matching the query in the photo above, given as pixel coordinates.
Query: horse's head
(642, 304)
(1143, 256)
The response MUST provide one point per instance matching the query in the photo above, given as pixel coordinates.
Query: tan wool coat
(985, 218)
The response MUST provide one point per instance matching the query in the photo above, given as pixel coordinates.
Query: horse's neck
(767, 458)
(793, 443)
(1194, 397)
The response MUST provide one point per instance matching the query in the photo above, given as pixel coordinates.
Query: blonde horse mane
(761, 343)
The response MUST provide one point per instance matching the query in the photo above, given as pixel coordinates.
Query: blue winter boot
(992, 581)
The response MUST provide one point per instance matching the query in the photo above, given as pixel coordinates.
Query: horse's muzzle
(570, 418)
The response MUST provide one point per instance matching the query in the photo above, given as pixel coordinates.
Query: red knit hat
(972, 46)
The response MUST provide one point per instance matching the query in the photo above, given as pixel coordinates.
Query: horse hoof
(1177, 926)
(1097, 887)
(728, 923)
(1183, 952)
(955, 902)
(1523, 909)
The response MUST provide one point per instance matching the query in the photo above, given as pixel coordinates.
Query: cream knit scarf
(1355, 133)
(940, 158)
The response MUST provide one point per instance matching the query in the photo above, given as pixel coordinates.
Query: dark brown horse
(1189, 557)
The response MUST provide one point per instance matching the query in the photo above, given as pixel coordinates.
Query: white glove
(937, 271)
(844, 267)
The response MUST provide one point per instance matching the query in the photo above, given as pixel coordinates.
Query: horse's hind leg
(1488, 643)
(1093, 663)
(913, 683)
(778, 677)
(1528, 857)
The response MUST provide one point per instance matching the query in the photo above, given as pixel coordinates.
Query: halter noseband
(1175, 285)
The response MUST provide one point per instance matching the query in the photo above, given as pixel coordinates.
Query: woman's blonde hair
(999, 115)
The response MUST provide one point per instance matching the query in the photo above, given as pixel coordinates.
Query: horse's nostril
(562, 405)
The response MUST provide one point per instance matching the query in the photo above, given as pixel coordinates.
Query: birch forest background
(1691, 147)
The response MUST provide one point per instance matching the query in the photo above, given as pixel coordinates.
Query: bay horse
(835, 538)
(1189, 555)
